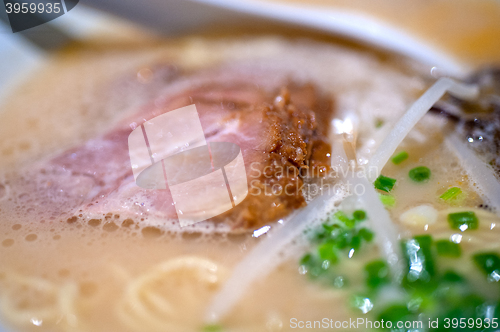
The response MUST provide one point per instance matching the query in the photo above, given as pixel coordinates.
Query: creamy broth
(64, 274)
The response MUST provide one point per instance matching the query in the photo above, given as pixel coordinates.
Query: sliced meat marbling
(280, 126)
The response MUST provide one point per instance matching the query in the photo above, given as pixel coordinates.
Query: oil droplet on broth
(8, 243)
(31, 237)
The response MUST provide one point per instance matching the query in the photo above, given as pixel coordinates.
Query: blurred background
(454, 35)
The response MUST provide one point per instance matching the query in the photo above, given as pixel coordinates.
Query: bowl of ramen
(270, 179)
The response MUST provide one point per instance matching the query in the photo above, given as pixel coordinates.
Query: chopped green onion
(448, 248)
(395, 313)
(306, 259)
(420, 262)
(355, 242)
(327, 251)
(387, 200)
(489, 263)
(331, 228)
(341, 216)
(463, 220)
(379, 123)
(366, 234)
(377, 274)
(452, 276)
(342, 238)
(400, 157)
(451, 193)
(425, 243)
(384, 183)
(359, 215)
(212, 328)
(420, 174)
(312, 265)
(327, 227)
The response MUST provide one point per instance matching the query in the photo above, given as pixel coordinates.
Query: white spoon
(169, 16)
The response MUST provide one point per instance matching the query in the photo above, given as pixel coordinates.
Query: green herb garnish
(366, 234)
(451, 193)
(448, 248)
(355, 242)
(384, 183)
(441, 295)
(337, 238)
(452, 276)
(418, 253)
(395, 313)
(359, 215)
(420, 174)
(377, 274)
(429, 291)
(489, 263)
(387, 200)
(341, 216)
(328, 251)
(463, 220)
(400, 157)
(312, 264)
